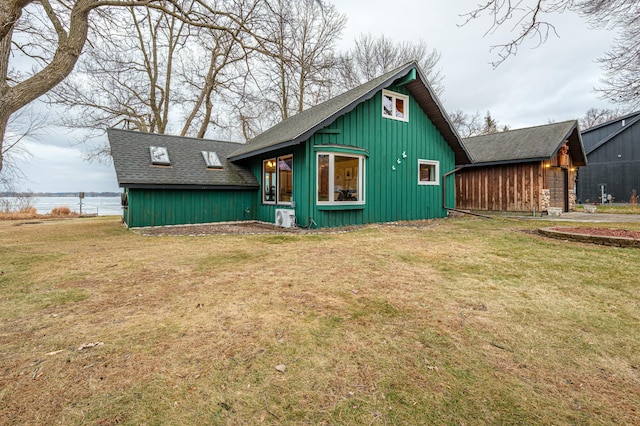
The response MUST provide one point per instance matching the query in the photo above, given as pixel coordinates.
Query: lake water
(103, 206)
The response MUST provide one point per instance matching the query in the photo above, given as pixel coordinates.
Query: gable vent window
(395, 106)
(159, 156)
(212, 160)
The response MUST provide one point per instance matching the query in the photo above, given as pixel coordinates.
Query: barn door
(559, 188)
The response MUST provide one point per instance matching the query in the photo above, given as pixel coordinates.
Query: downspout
(444, 188)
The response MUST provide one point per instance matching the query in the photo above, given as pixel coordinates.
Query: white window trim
(275, 174)
(276, 181)
(278, 202)
(361, 171)
(435, 182)
(395, 96)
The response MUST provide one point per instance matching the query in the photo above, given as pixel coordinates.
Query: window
(277, 180)
(340, 179)
(285, 179)
(428, 172)
(212, 160)
(159, 155)
(395, 106)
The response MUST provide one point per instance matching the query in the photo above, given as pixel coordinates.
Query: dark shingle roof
(132, 161)
(529, 144)
(301, 126)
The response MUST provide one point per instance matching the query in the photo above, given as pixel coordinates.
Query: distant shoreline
(58, 194)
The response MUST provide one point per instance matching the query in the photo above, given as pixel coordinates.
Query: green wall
(158, 207)
(390, 195)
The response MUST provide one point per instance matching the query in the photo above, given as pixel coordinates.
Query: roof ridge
(521, 128)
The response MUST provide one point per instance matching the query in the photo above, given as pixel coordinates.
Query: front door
(559, 188)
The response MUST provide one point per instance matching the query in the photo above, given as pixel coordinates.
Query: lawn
(458, 321)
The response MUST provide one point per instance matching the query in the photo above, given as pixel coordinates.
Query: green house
(384, 151)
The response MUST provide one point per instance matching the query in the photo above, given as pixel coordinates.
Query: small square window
(212, 160)
(428, 172)
(395, 105)
(159, 155)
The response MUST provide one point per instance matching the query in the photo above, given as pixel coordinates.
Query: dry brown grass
(23, 214)
(31, 213)
(456, 322)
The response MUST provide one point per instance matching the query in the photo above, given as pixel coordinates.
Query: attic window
(159, 155)
(395, 106)
(212, 160)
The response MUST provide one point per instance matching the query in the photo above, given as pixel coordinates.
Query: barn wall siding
(615, 163)
(512, 187)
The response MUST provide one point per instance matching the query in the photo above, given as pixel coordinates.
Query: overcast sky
(553, 82)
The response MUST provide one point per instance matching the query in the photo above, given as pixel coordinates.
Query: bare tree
(596, 116)
(295, 71)
(469, 125)
(374, 56)
(144, 65)
(25, 124)
(621, 64)
(53, 33)
(125, 75)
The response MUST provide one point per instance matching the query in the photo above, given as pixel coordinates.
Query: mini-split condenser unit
(286, 218)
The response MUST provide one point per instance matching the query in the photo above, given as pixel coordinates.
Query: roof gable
(627, 117)
(300, 127)
(626, 123)
(186, 164)
(528, 144)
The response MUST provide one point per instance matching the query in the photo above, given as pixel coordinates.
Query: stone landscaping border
(592, 239)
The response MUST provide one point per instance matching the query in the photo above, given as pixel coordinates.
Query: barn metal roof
(630, 119)
(187, 169)
(301, 126)
(529, 144)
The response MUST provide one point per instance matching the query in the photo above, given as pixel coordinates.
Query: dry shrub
(25, 213)
(62, 212)
(634, 199)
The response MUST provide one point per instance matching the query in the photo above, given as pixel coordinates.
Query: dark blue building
(613, 161)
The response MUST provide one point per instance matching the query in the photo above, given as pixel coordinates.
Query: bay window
(340, 179)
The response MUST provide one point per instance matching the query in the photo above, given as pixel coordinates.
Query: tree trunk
(13, 98)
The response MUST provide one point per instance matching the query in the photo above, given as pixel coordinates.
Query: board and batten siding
(615, 163)
(390, 195)
(159, 207)
(510, 187)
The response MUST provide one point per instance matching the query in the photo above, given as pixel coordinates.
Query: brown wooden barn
(524, 170)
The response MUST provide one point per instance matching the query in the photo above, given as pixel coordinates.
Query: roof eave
(187, 186)
(503, 162)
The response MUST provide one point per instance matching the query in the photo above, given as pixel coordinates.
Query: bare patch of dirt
(603, 232)
(259, 228)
